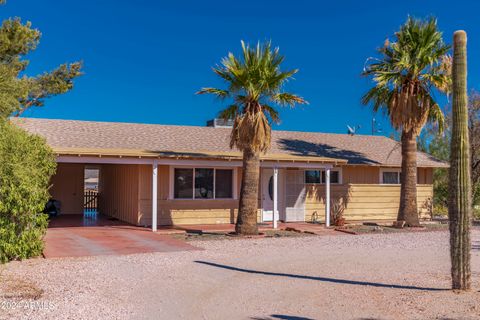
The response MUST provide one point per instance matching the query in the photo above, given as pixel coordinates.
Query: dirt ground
(374, 276)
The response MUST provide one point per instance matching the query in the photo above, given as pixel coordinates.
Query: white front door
(267, 195)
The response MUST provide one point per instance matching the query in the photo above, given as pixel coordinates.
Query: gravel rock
(384, 276)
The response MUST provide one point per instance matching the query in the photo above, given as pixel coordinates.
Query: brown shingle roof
(64, 135)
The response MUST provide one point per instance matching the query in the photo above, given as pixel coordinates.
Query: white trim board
(181, 162)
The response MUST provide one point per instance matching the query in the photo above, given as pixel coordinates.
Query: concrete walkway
(77, 237)
(94, 235)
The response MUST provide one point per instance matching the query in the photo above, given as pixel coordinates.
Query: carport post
(154, 194)
(327, 197)
(275, 198)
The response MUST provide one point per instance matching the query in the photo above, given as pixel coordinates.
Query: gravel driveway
(384, 276)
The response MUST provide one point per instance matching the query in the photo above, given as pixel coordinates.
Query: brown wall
(118, 192)
(67, 187)
(360, 174)
(425, 176)
(364, 201)
(367, 198)
(125, 193)
(371, 175)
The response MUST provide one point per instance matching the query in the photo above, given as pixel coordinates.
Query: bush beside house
(26, 162)
(26, 165)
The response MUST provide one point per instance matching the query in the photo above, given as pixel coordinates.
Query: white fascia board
(186, 162)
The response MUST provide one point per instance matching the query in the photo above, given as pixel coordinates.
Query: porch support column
(154, 194)
(327, 197)
(275, 198)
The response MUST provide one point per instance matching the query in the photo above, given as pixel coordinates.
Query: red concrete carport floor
(79, 241)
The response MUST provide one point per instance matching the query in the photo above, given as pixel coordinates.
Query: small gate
(90, 202)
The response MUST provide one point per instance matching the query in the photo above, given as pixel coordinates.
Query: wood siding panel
(425, 175)
(362, 202)
(173, 212)
(118, 192)
(67, 187)
(360, 174)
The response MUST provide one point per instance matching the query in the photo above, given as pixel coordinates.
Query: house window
(183, 188)
(391, 177)
(312, 176)
(318, 176)
(334, 177)
(202, 183)
(223, 184)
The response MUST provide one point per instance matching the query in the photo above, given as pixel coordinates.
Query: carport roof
(73, 137)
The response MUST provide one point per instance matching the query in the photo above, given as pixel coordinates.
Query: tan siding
(67, 187)
(118, 195)
(145, 182)
(426, 176)
(364, 201)
(360, 174)
(371, 175)
(172, 212)
(422, 175)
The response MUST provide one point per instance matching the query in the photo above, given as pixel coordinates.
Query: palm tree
(406, 76)
(254, 86)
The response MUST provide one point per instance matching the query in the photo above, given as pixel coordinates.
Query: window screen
(391, 177)
(203, 183)
(183, 188)
(312, 176)
(334, 177)
(223, 183)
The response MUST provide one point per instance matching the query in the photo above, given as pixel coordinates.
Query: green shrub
(440, 211)
(26, 165)
(476, 212)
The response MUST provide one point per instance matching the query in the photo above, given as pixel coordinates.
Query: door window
(270, 188)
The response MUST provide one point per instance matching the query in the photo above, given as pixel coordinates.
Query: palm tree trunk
(408, 211)
(248, 207)
(459, 202)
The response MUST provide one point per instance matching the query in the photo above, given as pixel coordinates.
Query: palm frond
(271, 112)
(437, 116)
(287, 99)
(228, 113)
(378, 97)
(222, 94)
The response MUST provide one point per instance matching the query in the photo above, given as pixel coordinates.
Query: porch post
(275, 197)
(327, 197)
(154, 194)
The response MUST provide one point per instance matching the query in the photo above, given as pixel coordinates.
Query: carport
(78, 235)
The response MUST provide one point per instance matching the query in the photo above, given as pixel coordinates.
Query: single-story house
(153, 175)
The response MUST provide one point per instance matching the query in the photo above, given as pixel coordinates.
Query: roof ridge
(189, 126)
(89, 134)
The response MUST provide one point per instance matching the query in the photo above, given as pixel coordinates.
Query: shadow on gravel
(281, 317)
(323, 279)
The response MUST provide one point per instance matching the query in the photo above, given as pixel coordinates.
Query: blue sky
(144, 60)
